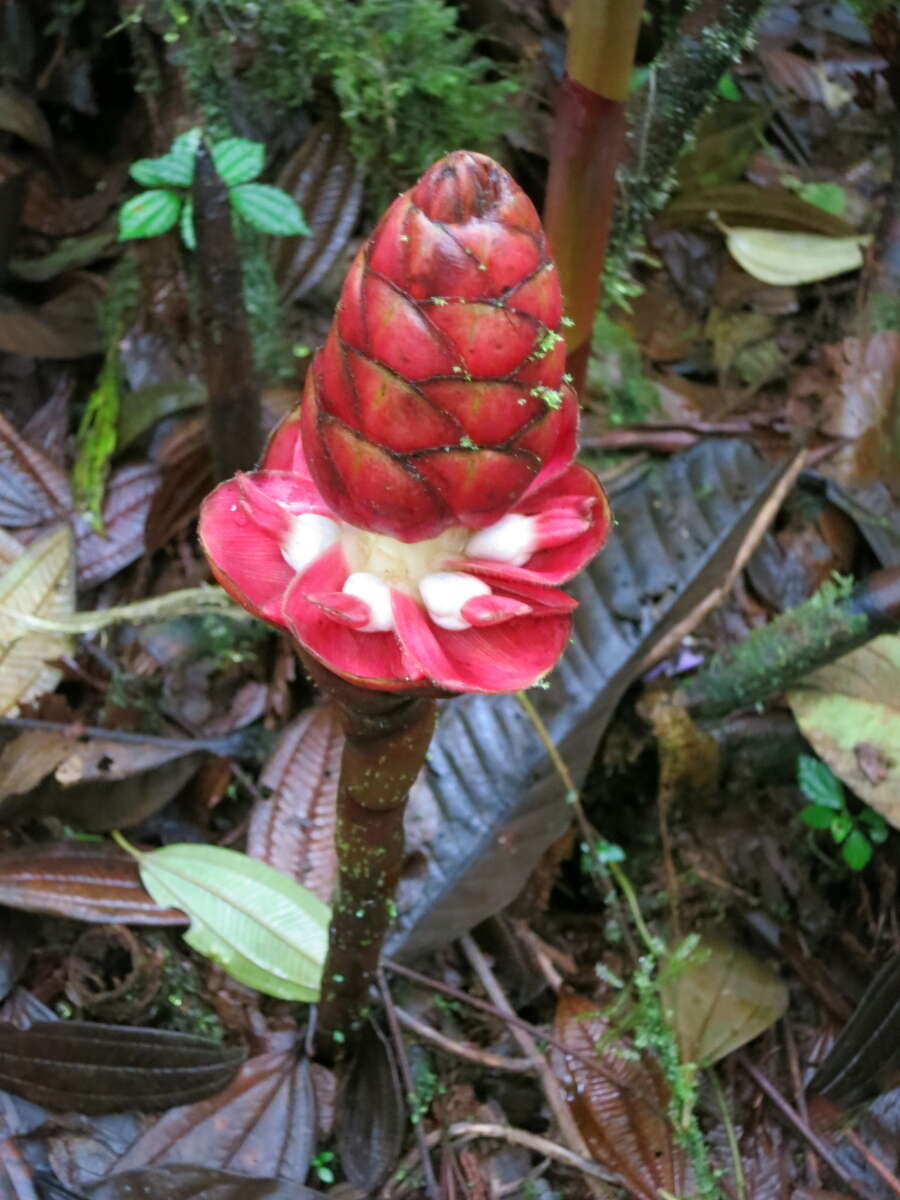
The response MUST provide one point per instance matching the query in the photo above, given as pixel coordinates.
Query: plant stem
(835, 621)
(233, 408)
(588, 137)
(387, 740)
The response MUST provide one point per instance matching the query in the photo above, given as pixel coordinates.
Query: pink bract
(412, 519)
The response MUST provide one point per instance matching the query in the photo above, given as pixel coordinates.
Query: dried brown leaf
(39, 582)
(864, 409)
(722, 999)
(79, 1066)
(126, 506)
(293, 830)
(620, 1107)
(20, 115)
(373, 1116)
(65, 327)
(327, 182)
(32, 489)
(85, 881)
(190, 1182)
(265, 1120)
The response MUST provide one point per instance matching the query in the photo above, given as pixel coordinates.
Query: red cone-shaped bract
(438, 398)
(412, 520)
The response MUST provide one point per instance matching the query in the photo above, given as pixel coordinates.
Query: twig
(484, 1058)
(761, 522)
(790, 1044)
(540, 1145)
(229, 744)
(801, 1126)
(552, 1090)
(431, 1187)
(881, 1169)
(778, 656)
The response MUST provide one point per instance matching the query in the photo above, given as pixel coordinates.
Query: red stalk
(588, 139)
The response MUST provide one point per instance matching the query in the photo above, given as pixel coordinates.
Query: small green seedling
(167, 200)
(855, 835)
(321, 1163)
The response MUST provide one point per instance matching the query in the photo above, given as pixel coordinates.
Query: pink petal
(371, 659)
(350, 610)
(245, 559)
(284, 451)
(539, 596)
(496, 658)
(566, 444)
(491, 610)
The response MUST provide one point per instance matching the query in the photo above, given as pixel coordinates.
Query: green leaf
(818, 783)
(830, 197)
(265, 930)
(817, 816)
(841, 826)
(97, 434)
(268, 209)
(238, 160)
(175, 169)
(876, 825)
(186, 223)
(856, 851)
(148, 214)
(727, 88)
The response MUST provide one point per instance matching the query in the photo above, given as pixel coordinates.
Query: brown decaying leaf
(126, 505)
(65, 327)
(265, 1120)
(293, 830)
(197, 1183)
(722, 999)
(187, 477)
(749, 204)
(865, 1059)
(373, 1115)
(620, 1107)
(32, 489)
(20, 115)
(327, 182)
(37, 581)
(864, 409)
(78, 1066)
(86, 881)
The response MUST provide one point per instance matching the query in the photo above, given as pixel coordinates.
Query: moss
(406, 78)
(616, 373)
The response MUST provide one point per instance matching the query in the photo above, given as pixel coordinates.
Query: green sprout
(855, 835)
(167, 200)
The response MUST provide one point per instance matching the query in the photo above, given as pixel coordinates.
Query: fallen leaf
(619, 1107)
(197, 1183)
(789, 259)
(65, 327)
(126, 505)
(373, 1116)
(850, 713)
(327, 182)
(264, 1120)
(71, 254)
(20, 115)
(79, 1066)
(721, 999)
(293, 830)
(864, 409)
(865, 1059)
(774, 208)
(265, 930)
(32, 488)
(39, 583)
(84, 881)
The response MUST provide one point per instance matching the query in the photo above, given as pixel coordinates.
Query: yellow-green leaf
(849, 712)
(37, 581)
(722, 999)
(265, 930)
(789, 259)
